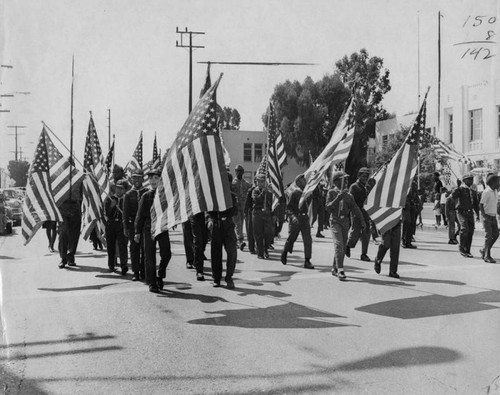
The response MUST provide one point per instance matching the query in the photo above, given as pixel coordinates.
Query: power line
(16, 134)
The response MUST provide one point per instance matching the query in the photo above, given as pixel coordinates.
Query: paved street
(283, 330)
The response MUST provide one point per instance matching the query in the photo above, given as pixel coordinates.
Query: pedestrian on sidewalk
(467, 204)
(489, 210)
(341, 204)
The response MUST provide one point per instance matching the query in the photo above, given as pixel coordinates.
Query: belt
(464, 211)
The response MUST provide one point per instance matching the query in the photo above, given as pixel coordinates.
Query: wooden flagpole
(71, 128)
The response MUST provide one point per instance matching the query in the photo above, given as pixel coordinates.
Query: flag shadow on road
(87, 269)
(84, 288)
(433, 305)
(171, 294)
(284, 316)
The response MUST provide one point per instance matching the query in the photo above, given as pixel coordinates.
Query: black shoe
(252, 252)
(393, 274)
(189, 265)
(242, 246)
(451, 241)
(266, 254)
(230, 283)
(283, 257)
(320, 235)
(71, 263)
(377, 266)
(469, 255)
(342, 276)
(154, 289)
(335, 272)
(260, 256)
(160, 282)
(365, 258)
(111, 269)
(464, 254)
(348, 252)
(308, 265)
(409, 245)
(136, 277)
(200, 277)
(489, 259)
(124, 270)
(62, 264)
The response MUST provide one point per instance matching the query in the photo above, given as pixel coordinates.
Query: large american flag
(336, 151)
(95, 185)
(388, 196)
(59, 170)
(194, 178)
(135, 162)
(276, 154)
(449, 153)
(39, 204)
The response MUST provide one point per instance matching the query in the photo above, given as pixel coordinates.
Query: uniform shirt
(489, 199)
(113, 214)
(450, 205)
(341, 209)
(358, 192)
(240, 189)
(466, 199)
(293, 195)
(249, 201)
(262, 199)
(142, 221)
(130, 207)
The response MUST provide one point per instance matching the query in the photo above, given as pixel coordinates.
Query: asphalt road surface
(283, 330)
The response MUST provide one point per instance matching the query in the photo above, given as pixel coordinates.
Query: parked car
(5, 221)
(13, 200)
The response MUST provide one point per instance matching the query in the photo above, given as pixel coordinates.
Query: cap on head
(138, 173)
(364, 170)
(339, 174)
(260, 177)
(154, 172)
(122, 184)
(467, 176)
(239, 168)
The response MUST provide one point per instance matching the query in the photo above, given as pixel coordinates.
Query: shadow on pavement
(433, 305)
(84, 288)
(403, 357)
(6, 257)
(261, 292)
(170, 294)
(288, 315)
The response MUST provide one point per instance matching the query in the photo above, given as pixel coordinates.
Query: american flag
(276, 154)
(448, 153)
(109, 163)
(156, 158)
(336, 151)
(39, 204)
(135, 162)
(194, 177)
(388, 196)
(59, 168)
(95, 185)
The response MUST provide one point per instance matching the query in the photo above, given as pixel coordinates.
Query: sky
(126, 59)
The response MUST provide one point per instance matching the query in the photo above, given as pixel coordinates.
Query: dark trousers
(443, 214)
(391, 241)
(199, 240)
(299, 224)
(69, 234)
(149, 246)
(114, 237)
(357, 232)
(466, 220)
(187, 237)
(136, 254)
(408, 222)
(263, 232)
(317, 212)
(452, 220)
(491, 234)
(251, 239)
(163, 241)
(223, 235)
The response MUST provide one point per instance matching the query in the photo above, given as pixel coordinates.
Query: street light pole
(16, 134)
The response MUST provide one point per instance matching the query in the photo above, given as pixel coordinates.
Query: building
(247, 148)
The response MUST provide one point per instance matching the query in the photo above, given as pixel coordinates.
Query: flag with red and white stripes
(39, 204)
(449, 153)
(194, 177)
(59, 170)
(135, 162)
(95, 186)
(109, 163)
(276, 154)
(336, 151)
(387, 198)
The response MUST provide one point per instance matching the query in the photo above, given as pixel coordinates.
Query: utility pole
(16, 134)
(190, 46)
(109, 129)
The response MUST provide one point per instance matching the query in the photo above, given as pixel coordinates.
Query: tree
(18, 171)
(308, 113)
(230, 118)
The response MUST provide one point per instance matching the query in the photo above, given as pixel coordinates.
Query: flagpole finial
(90, 112)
